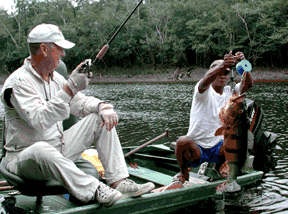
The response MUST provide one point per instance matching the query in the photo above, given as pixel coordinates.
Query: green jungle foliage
(160, 33)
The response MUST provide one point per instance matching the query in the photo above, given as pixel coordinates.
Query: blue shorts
(209, 155)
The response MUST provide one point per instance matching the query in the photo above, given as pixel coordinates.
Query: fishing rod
(232, 80)
(101, 53)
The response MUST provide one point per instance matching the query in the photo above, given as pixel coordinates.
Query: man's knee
(93, 118)
(184, 142)
(187, 147)
(41, 150)
(39, 146)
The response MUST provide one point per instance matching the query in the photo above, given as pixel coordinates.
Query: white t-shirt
(204, 115)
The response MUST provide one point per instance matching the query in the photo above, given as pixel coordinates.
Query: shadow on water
(145, 110)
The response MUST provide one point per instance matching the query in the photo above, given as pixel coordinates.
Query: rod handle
(102, 51)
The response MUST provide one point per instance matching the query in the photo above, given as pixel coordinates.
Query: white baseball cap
(49, 33)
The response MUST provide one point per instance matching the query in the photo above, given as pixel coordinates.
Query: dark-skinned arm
(246, 79)
(213, 72)
(246, 82)
(210, 76)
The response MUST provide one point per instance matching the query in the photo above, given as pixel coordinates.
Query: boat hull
(156, 163)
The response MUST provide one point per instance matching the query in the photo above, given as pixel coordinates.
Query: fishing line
(101, 53)
(109, 35)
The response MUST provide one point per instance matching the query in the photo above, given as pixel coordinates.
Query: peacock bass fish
(233, 116)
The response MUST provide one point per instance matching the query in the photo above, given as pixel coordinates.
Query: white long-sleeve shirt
(39, 108)
(204, 115)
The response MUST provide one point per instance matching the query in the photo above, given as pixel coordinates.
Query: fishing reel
(243, 65)
(86, 67)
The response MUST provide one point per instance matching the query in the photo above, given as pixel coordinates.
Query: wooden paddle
(4, 183)
(166, 133)
(5, 186)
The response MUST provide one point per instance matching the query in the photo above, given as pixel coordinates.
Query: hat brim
(65, 44)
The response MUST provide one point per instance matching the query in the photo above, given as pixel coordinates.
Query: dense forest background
(161, 33)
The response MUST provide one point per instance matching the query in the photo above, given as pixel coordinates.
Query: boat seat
(50, 187)
(173, 145)
(42, 188)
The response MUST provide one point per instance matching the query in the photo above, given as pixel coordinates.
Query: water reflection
(145, 110)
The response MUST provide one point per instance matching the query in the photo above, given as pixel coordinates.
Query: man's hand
(229, 60)
(109, 116)
(78, 81)
(239, 56)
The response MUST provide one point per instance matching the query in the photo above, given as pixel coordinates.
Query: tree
(170, 33)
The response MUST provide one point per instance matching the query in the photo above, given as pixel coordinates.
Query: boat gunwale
(179, 197)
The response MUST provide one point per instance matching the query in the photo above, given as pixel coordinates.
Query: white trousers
(41, 161)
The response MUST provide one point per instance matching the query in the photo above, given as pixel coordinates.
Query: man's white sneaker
(106, 195)
(131, 189)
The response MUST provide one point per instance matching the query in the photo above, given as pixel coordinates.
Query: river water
(146, 110)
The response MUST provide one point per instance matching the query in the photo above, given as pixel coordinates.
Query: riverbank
(259, 75)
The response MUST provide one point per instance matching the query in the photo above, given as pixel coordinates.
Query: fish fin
(220, 131)
(239, 98)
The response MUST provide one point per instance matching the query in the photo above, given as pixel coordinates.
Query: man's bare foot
(180, 178)
(177, 182)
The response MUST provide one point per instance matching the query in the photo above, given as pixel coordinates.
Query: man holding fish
(210, 95)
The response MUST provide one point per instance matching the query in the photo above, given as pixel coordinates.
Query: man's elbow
(203, 86)
(250, 81)
(250, 84)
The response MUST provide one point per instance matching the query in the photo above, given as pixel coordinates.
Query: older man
(37, 99)
(210, 95)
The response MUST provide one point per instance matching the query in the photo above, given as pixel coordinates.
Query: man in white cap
(36, 100)
(210, 95)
